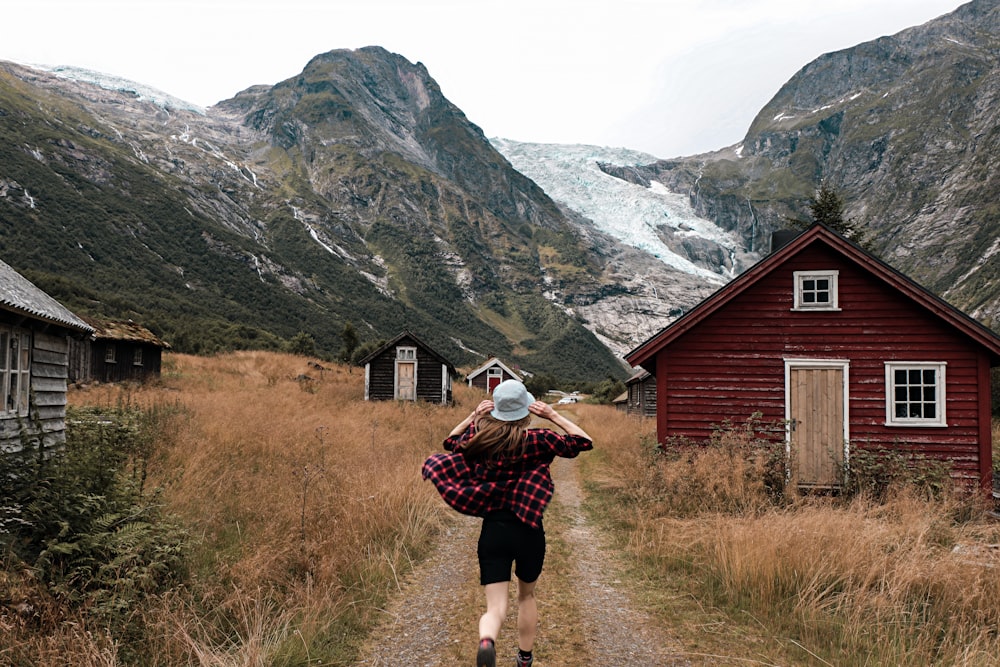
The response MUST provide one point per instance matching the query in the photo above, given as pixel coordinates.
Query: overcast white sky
(668, 77)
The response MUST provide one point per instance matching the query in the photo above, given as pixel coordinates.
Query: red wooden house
(841, 348)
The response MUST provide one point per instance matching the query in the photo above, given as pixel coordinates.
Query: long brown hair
(496, 439)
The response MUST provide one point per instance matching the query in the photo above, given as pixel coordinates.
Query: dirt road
(586, 614)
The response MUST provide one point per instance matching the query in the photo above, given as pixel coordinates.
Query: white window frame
(831, 275)
(15, 371)
(940, 419)
(406, 353)
(137, 357)
(110, 354)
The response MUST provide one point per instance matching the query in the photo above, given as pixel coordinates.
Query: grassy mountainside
(354, 193)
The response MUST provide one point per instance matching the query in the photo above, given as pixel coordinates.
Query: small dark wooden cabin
(843, 350)
(490, 374)
(641, 392)
(407, 369)
(35, 331)
(117, 352)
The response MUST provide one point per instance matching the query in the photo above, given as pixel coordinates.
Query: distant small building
(117, 352)
(621, 402)
(407, 369)
(35, 330)
(490, 374)
(641, 394)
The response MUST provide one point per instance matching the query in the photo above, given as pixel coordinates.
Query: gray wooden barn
(35, 330)
(407, 369)
(641, 394)
(117, 352)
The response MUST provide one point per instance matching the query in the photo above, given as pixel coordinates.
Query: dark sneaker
(523, 662)
(486, 656)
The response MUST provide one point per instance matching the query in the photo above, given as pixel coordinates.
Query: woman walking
(498, 469)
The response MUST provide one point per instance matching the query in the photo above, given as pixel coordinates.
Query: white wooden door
(406, 385)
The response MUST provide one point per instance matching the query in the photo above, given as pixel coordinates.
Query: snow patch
(119, 84)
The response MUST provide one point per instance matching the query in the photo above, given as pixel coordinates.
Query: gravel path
(428, 623)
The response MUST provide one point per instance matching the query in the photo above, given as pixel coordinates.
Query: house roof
(127, 331)
(818, 233)
(638, 375)
(492, 361)
(621, 398)
(407, 334)
(20, 295)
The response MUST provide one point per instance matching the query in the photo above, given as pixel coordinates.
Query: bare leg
(496, 610)
(527, 615)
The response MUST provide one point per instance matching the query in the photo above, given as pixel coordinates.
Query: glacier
(570, 174)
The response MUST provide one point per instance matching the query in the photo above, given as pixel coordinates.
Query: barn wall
(49, 363)
(123, 369)
(731, 365)
(382, 376)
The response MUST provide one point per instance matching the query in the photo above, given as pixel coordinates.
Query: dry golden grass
(307, 505)
(306, 500)
(818, 581)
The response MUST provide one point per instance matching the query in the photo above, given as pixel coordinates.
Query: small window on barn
(406, 353)
(137, 357)
(15, 370)
(914, 393)
(109, 354)
(816, 290)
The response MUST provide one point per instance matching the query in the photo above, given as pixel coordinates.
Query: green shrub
(82, 521)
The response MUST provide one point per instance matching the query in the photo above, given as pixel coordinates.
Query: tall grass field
(252, 509)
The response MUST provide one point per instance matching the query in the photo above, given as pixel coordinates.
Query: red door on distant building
(494, 376)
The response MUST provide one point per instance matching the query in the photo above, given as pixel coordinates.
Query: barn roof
(127, 331)
(638, 375)
(20, 295)
(491, 362)
(408, 334)
(818, 233)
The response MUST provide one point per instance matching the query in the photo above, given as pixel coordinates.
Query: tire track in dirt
(617, 633)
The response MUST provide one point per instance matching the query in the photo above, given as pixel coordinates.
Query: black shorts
(504, 541)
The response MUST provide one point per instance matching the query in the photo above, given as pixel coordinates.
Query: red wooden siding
(731, 364)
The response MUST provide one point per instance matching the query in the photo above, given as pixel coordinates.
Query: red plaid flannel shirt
(521, 484)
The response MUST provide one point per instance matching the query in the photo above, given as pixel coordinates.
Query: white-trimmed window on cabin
(915, 393)
(137, 357)
(816, 290)
(15, 370)
(406, 354)
(110, 354)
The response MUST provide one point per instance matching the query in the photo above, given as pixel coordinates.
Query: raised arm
(483, 408)
(546, 411)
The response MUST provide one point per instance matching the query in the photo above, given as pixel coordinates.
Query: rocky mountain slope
(906, 128)
(354, 192)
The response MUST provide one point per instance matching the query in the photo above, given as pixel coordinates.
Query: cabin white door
(406, 381)
(816, 409)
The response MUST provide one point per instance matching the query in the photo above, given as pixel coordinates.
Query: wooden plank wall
(49, 372)
(732, 364)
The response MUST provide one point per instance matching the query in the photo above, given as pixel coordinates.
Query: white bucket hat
(510, 401)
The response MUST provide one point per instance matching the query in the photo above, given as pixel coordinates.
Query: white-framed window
(406, 353)
(915, 393)
(15, 370)
(109, 353)
(137, 357)
(816, 290)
